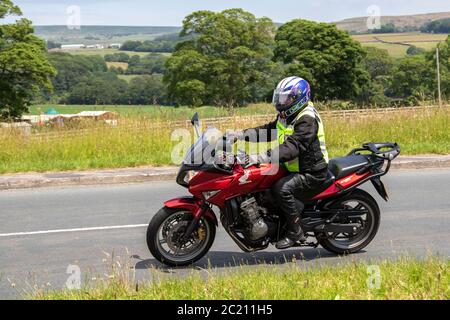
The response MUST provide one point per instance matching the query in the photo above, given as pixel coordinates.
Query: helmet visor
(282, 99)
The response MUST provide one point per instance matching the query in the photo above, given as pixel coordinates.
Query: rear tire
(369, 231)
(156, 228)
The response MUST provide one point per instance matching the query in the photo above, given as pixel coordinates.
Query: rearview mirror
(196, 123)
(195, 120)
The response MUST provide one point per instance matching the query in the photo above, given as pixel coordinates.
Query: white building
(72, 46)
(95, 46)
(115, 45)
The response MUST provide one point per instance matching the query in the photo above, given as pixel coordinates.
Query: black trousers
(293, 186)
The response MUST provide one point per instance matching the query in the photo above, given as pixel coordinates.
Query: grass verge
(143, 141)
(406, 278)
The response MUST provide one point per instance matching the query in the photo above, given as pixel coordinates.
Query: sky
(172, 12)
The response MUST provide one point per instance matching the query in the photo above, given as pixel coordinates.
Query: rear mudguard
(193, 205)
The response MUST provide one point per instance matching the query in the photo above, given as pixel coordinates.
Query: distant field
(397, 43)
(99, 52)
(102, 34)
(122, 65)
(395, 50)
(127, 77)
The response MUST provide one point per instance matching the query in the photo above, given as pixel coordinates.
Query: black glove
(234, 136)
(256, 159)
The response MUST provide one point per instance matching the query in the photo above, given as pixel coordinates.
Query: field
(398, 43)
(138, 140)
(98, 52)
(122, 65)
(102, 34)
(405, 279)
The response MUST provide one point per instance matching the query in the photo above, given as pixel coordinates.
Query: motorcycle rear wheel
(164, 231)
(353, 243)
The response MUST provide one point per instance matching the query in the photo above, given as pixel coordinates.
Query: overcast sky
(172, 12)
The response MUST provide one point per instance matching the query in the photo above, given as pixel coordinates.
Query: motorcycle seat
(312, 193)
(345, 166)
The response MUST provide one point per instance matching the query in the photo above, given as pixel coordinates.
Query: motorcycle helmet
(291, 95)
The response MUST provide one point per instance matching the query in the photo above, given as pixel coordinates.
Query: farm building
(72, 46)
(60, 119)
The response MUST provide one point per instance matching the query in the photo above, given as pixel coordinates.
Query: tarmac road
(43, 231)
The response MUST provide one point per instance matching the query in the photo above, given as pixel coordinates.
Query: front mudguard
(193, 205)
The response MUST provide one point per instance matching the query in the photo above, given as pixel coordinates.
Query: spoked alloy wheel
(342, 243)
(166, 242)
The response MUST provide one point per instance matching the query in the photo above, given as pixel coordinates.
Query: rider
(301, 150)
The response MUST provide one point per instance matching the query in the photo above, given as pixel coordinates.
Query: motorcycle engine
(256, 226)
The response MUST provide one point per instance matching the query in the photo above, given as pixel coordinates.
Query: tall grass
(144, 141)
(403, 279)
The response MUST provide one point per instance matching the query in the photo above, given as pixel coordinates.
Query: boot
(294, 233)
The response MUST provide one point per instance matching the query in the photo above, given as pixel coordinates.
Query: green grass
(146, 141)
(395, 50)
(403, 279)
(427, 41)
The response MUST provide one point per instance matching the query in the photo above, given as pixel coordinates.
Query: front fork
(198, 209)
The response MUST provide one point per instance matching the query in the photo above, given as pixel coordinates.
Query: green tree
(226, 56)
(72, 68)
(147, 90)
(411, 78)
(325, 56)
(24, 69)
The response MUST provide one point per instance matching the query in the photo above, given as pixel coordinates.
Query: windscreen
(203, 150)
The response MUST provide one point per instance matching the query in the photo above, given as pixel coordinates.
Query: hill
(102, 34)
(359, 25)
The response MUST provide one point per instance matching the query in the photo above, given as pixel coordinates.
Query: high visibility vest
(283, 131)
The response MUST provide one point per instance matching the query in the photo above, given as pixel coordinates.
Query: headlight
(209, 194)
(189, 175)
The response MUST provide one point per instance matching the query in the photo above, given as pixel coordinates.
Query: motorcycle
(339, 216)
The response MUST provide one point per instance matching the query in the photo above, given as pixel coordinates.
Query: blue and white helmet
(291, 95)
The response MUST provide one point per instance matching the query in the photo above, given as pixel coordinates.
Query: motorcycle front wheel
(165, 237)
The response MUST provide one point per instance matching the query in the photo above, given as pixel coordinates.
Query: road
(43, 231)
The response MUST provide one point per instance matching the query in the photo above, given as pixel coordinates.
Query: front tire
(353, 243)
(163, 235)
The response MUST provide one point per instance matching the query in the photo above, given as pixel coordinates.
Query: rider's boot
(294, 233)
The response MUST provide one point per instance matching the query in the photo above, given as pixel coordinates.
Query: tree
(437, 26)
(325, 56)
(379, 64)
(226, 56)
(386, 28)
(24, 69)
(147, 90)
(411, 78)
(73, 68)
(413, 51)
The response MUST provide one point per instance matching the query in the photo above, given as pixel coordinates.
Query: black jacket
(302, 144)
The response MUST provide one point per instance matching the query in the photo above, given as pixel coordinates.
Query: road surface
(43, 231)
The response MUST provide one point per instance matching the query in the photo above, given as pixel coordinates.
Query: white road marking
(16, 234)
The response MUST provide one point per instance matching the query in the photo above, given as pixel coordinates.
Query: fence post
(438, 76)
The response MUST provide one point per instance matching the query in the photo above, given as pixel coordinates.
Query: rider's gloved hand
(234, 136)
(255, 159)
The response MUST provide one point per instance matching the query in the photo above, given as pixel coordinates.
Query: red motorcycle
(339, 216)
